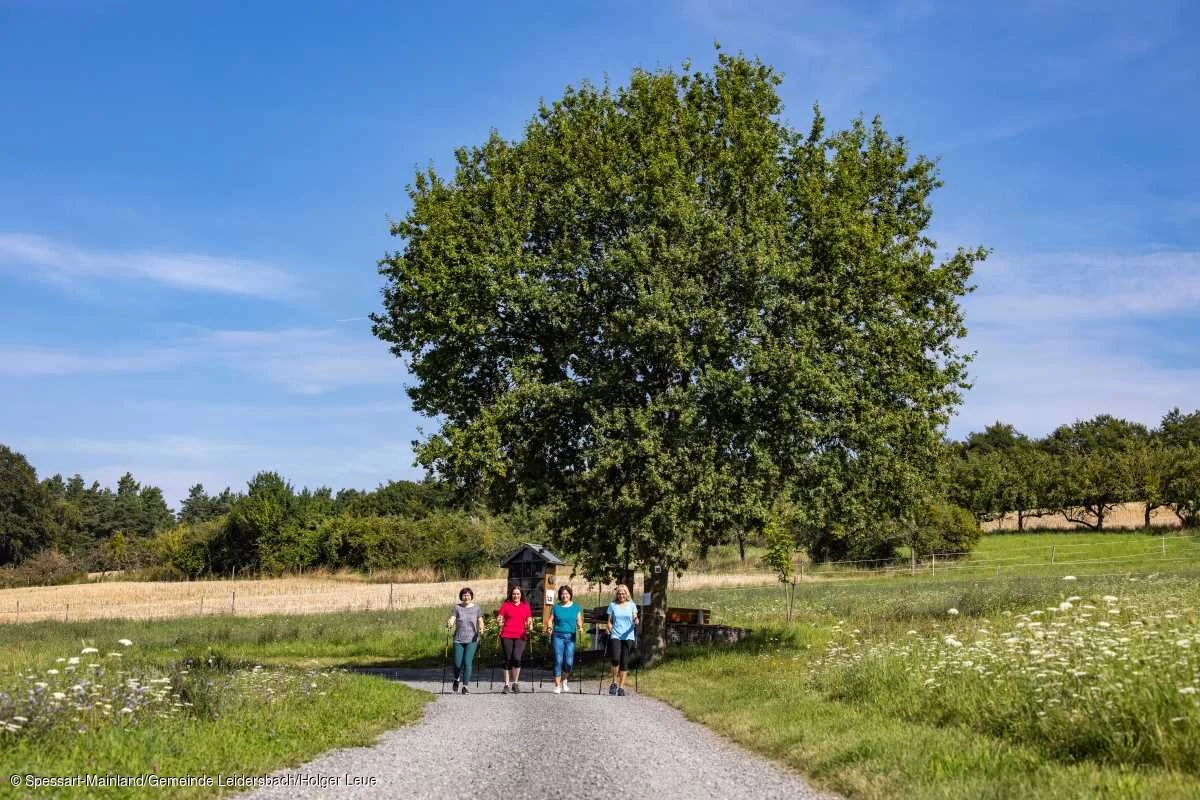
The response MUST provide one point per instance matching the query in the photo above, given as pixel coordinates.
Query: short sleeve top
(465, 619)
(622, 615)
(515, 616)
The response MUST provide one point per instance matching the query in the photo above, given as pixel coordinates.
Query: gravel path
(541, 745)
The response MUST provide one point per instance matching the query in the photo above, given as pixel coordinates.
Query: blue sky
(193, 197)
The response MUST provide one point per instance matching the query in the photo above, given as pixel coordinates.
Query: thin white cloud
(33, 361)
(61, 263)
(307, 360)
(1084, 286)
(302, 360)
(1038, 381)
(1067, 336)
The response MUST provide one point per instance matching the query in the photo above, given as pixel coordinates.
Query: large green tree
(663, 307)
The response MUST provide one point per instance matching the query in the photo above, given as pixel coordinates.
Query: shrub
(946, 530)
(45, 568)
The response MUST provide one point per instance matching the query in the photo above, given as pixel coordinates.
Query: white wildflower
(124, 642)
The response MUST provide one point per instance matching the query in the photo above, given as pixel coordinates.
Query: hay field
(1126, 516)
(163, 599)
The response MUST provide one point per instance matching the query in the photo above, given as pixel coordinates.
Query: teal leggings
(464, 657)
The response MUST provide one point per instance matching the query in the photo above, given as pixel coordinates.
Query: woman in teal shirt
(567, 620)
(622, 622)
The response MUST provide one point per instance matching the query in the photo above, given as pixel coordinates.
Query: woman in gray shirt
(467, 623)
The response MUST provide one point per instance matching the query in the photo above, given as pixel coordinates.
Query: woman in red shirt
(516, 618)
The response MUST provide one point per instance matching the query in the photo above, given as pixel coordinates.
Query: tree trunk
(652, 642)
(1147, 520)
(741, 539)
(1020, 520)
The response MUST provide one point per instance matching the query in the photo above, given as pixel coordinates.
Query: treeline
(55, 530)
(1082, 471)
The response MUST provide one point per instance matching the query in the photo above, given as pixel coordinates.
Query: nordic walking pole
(531, 663)
(637, 665)
(603, 665)
(445, 662)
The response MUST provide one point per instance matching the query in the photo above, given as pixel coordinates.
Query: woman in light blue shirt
(622, 626)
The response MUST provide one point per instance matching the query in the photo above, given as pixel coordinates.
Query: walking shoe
(454, 686)
(558, 689)
(612, 688)
(505, 689)
(620, 692)
(516, 688)
(464, 689)
(566, 686)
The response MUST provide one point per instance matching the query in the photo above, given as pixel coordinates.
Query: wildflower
(1187, 690)
(952, 612)
(88, 651)
(124, 642)
(1069, 578)
(51, 672)
(1184, 643)
(950, 640)
(1108, 598)
(59, 696)
(73, 660)
(1065, 605)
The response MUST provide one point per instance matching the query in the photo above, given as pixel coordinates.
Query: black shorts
(621, 650)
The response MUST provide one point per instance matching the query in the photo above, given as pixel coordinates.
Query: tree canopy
(662, 308)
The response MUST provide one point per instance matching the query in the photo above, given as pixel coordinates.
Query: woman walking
(516, 618)
(567, 621)
(622, 622)
(466, 621)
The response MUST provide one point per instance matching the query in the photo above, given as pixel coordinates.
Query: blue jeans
(563, 645)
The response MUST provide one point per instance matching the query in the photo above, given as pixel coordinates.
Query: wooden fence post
(233, 602)
(391, 587)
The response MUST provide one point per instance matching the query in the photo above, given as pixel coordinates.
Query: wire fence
(256, 598)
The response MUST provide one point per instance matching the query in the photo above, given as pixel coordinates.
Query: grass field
(1037, 687)
(199, 696)
(1073, 680)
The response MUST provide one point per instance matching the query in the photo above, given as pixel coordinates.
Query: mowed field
(163, 599)
(1126, 516)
